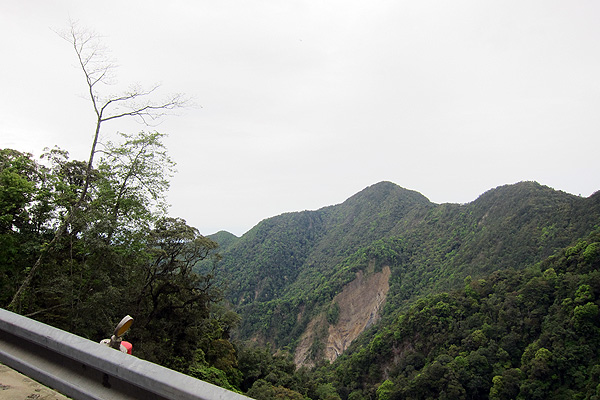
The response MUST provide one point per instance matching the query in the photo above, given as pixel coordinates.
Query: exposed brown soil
(359, 304)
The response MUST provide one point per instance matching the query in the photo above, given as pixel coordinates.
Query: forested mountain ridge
(274, 249)
(287, 270)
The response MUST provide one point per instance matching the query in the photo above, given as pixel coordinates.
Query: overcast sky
(301, 104)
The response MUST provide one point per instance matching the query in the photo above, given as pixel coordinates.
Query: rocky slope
(358, 306)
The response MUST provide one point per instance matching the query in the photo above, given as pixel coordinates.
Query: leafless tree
(136, 102)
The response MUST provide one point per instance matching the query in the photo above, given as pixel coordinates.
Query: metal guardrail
(84, 370)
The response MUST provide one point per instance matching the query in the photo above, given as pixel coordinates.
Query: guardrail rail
(82, 369)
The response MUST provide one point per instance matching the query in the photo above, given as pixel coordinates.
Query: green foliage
(333, 314)
(25, 208)
(528, 334)
(212, 375)
(507, 385)
(117, 254)
(263, 390)
(385, 390)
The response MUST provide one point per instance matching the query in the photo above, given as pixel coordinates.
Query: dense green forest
(117, 253)
(531, 333)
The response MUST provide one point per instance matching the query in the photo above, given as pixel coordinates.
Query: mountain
(225, 239)
(530, 333)
(267, 259)
(313, 281)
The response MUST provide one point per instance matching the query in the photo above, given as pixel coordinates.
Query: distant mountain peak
(385, 189)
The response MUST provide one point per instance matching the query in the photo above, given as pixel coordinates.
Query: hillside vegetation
(532, 333)
(287, 270)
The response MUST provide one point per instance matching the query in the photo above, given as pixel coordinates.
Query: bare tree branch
(98, 69)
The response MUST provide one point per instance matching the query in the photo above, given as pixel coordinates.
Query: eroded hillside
(357, 307)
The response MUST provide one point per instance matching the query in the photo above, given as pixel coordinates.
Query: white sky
(304, 103)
